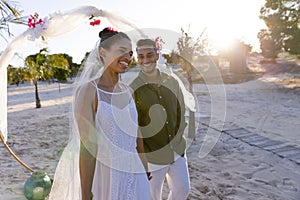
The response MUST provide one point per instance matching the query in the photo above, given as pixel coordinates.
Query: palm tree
(9, 14)
(34, 72)
(41, 66)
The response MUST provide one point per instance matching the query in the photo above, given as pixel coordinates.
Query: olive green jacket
(161, 117)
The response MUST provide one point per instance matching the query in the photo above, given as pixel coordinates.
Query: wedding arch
(50, 27)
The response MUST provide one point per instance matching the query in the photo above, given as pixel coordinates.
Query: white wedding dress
(119, 171)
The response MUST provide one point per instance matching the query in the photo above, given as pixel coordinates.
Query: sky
(222, 21)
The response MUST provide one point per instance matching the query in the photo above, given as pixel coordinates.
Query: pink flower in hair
(110, 29)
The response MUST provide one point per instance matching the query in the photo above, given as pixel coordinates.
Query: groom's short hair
(148, 42)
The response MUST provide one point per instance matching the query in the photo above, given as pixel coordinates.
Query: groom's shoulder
(136, 83)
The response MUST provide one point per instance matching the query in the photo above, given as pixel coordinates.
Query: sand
(257, 155)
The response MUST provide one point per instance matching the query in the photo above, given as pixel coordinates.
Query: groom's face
(147, 58)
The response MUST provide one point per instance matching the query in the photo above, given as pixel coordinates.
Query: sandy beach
(257, 155)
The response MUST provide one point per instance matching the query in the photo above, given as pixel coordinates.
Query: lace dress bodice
(119, 173)
(117, 117)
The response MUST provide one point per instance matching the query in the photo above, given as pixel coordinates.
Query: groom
(161, 110)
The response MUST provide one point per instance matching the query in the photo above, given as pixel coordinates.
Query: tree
(187, 48)
(9, 14)
(41, 66)
(59, 66)
(269, 47)
(73, 67)
(15, 75)
(282, 20)
(34, 71)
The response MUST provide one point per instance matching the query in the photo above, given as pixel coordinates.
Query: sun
(233, 21)
(222, 41)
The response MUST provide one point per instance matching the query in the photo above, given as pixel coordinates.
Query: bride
(105, 150)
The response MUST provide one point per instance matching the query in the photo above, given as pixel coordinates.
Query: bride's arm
(87, 168)
(85, 114)
(140, 150)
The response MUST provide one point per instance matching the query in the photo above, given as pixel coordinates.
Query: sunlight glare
(233, 20)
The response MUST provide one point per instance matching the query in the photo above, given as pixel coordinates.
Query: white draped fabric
(3, 102)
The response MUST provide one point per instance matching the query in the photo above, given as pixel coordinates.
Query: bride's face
(119, 56)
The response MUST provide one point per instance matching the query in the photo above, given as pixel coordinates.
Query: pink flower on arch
(95, 22)
(33, 20)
